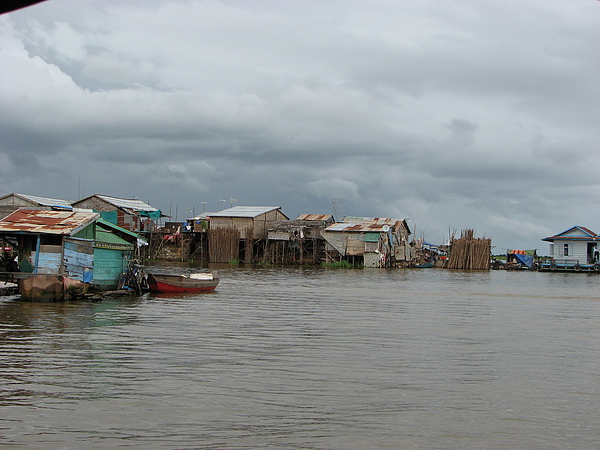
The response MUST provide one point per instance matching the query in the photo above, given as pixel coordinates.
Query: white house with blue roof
(577, 246)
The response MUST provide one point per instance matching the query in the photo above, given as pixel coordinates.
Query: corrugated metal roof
(134, 204)
(340, 226)
(45, 201)
(203, 216)
(46, 222)
(365, 224)
(112, 226)
(110, 238)
(374, 220)
(245, 211)
(323, 217)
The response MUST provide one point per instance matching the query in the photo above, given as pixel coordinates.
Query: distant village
(244, 234)
(95, 238)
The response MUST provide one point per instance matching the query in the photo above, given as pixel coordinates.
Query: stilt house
(130, 214)
(298, 241)
(252, 222)
(237, 232)
(374, 242)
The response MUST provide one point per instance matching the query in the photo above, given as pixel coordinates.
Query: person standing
(594, 255)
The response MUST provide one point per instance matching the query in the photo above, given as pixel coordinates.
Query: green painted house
(79, 245)
(114, 247)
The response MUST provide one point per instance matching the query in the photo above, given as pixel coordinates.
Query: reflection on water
(311, 358)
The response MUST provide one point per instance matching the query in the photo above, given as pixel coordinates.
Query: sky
(456, 115)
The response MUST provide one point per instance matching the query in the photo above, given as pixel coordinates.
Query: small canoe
(424, 265)
(193, 283)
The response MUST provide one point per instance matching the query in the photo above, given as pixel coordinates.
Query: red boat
(193, 283)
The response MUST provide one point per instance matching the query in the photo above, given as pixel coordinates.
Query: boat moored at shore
(192, 283)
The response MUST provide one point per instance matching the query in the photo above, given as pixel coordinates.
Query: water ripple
(311, 358)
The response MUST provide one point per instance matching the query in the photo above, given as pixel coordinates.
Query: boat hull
(51, 288)
(180, 284)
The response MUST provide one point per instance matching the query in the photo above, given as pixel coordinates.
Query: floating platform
(568, 266)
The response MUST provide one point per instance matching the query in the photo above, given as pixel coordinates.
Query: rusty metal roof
(46, 222)
(366, 225)
(322, 217)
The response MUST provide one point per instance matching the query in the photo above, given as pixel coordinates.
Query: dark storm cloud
(462, 114)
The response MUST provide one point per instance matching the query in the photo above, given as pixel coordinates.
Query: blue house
(78, 245)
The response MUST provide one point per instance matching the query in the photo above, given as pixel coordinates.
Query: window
(566, 250)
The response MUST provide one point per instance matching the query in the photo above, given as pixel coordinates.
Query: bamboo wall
(223, 244)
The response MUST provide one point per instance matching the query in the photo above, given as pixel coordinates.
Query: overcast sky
(455, 114)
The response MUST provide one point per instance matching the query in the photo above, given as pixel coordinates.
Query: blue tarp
(524, 259)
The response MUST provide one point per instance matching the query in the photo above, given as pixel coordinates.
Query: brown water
(312, 359)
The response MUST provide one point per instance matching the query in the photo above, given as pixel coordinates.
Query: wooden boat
(193, 283)
(51, 288)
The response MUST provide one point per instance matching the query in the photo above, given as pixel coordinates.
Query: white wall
(577, 251)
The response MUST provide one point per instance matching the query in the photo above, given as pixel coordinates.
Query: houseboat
(573, 250)
(67, 245)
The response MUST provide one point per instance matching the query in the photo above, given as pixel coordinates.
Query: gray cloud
(471, 114)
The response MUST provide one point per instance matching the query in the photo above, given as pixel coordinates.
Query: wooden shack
(130, 214)
(14, 201)
(297, 241)
(78, 245)
(252, 222)
(370, 241)
(237, 232)
(51, 242)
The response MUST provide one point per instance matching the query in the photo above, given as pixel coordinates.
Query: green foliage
(339, 265)
(264, 263)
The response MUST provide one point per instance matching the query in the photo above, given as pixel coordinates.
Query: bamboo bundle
(469, 252)
(223, 244)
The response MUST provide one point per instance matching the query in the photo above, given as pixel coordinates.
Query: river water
(311, 359)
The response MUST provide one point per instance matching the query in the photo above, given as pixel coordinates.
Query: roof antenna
(334, 212)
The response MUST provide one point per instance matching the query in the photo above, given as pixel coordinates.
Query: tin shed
(130, 214)
(14, 201)
(52, 242)
(376, 240)
(252, 222)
